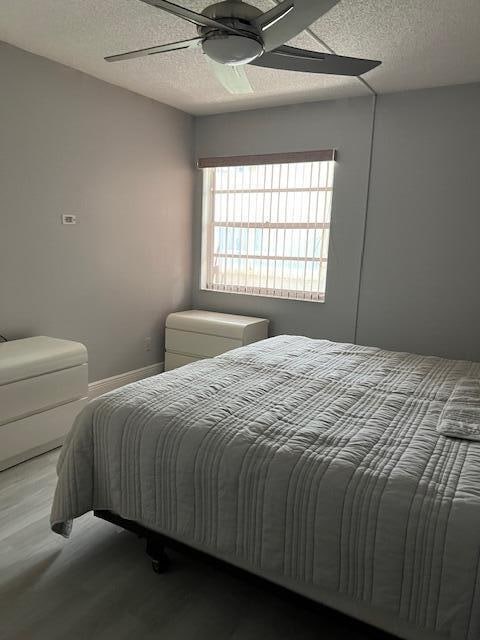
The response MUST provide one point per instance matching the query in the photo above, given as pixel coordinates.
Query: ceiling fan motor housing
(228, 48)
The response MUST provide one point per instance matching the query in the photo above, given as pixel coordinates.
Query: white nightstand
(195, 335)
(43, 386)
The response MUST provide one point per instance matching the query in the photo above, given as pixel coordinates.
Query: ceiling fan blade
(187, 14)
(289, 18)
(233, 78)
(292, 59)
(150, 51)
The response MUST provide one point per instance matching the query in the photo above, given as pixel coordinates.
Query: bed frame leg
(156, 551)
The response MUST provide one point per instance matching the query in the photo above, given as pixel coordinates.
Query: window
(266, 224)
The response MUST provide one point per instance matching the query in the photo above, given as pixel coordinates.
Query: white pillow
(460, 417)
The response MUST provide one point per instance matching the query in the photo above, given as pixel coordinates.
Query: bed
(316, 465)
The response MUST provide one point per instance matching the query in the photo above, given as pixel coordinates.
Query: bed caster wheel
(161, 565)
(156, 551)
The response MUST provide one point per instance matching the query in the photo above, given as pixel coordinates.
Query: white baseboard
(99, 387)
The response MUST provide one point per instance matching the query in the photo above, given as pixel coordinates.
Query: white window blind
(266, 226)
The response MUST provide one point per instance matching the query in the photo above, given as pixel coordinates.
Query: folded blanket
(460, 417)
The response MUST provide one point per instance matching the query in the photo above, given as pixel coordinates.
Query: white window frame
(208, 225)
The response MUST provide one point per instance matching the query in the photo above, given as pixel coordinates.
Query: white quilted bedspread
(314, 463)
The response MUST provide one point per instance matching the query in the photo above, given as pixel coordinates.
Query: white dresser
(43, 386)
(194, 335)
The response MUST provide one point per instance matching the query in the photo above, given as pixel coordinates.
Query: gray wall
(343, 124)
(420, 282)
(122, 163)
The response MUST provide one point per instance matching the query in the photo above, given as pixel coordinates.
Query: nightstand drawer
(174, 360)
(198, 344)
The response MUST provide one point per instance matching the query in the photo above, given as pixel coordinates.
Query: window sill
(263, 294)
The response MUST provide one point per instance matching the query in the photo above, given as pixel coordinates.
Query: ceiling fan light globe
(231, 49)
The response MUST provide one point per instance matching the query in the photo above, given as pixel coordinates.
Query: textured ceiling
(422, 43)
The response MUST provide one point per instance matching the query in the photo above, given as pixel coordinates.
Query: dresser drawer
(25, 397)
(175, 360)
(30, 436)
(198, 344)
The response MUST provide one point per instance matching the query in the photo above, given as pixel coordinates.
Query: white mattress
(315, 464)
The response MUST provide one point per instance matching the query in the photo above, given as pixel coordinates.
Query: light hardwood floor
(99, 583)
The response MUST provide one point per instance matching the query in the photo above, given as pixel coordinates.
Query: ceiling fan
(233, 34)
